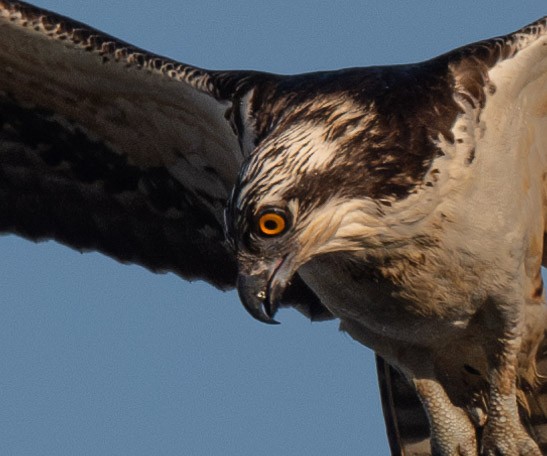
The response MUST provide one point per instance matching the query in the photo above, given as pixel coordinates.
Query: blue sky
(99, 358)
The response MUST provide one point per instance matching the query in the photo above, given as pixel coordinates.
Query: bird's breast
(401, 299)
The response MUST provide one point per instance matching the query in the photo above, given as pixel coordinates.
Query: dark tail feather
(406, 422)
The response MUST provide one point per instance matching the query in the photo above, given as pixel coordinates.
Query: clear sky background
(99, 358)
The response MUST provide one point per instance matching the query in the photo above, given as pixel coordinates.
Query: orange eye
(271, 224)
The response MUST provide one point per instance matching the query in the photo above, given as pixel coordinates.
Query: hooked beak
(261, 289)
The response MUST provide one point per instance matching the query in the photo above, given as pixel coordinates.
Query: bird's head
(311, 188)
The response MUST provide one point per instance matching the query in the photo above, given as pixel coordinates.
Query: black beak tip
(260, 310)
(266, 318)
(256, 302)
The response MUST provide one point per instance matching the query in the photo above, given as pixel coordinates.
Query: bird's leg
(504, 433)
(452, 433)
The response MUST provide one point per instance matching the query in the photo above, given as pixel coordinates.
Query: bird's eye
(272, 222)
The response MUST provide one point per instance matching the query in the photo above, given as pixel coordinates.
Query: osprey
(407, 201)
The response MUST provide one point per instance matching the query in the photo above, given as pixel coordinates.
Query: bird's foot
(507, 440)
(455, 447)
(504, 434)
(456, 437)
(452, 432)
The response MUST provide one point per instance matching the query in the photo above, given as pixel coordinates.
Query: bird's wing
(503, 82)
(104, 146)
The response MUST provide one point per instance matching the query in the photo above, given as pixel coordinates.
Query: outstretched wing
(104, 146)
(107, 147)
(501, 85)
(504, 81)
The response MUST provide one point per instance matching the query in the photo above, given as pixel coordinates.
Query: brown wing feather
(104, 146)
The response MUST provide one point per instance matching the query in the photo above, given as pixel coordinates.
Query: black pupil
(270, 225)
